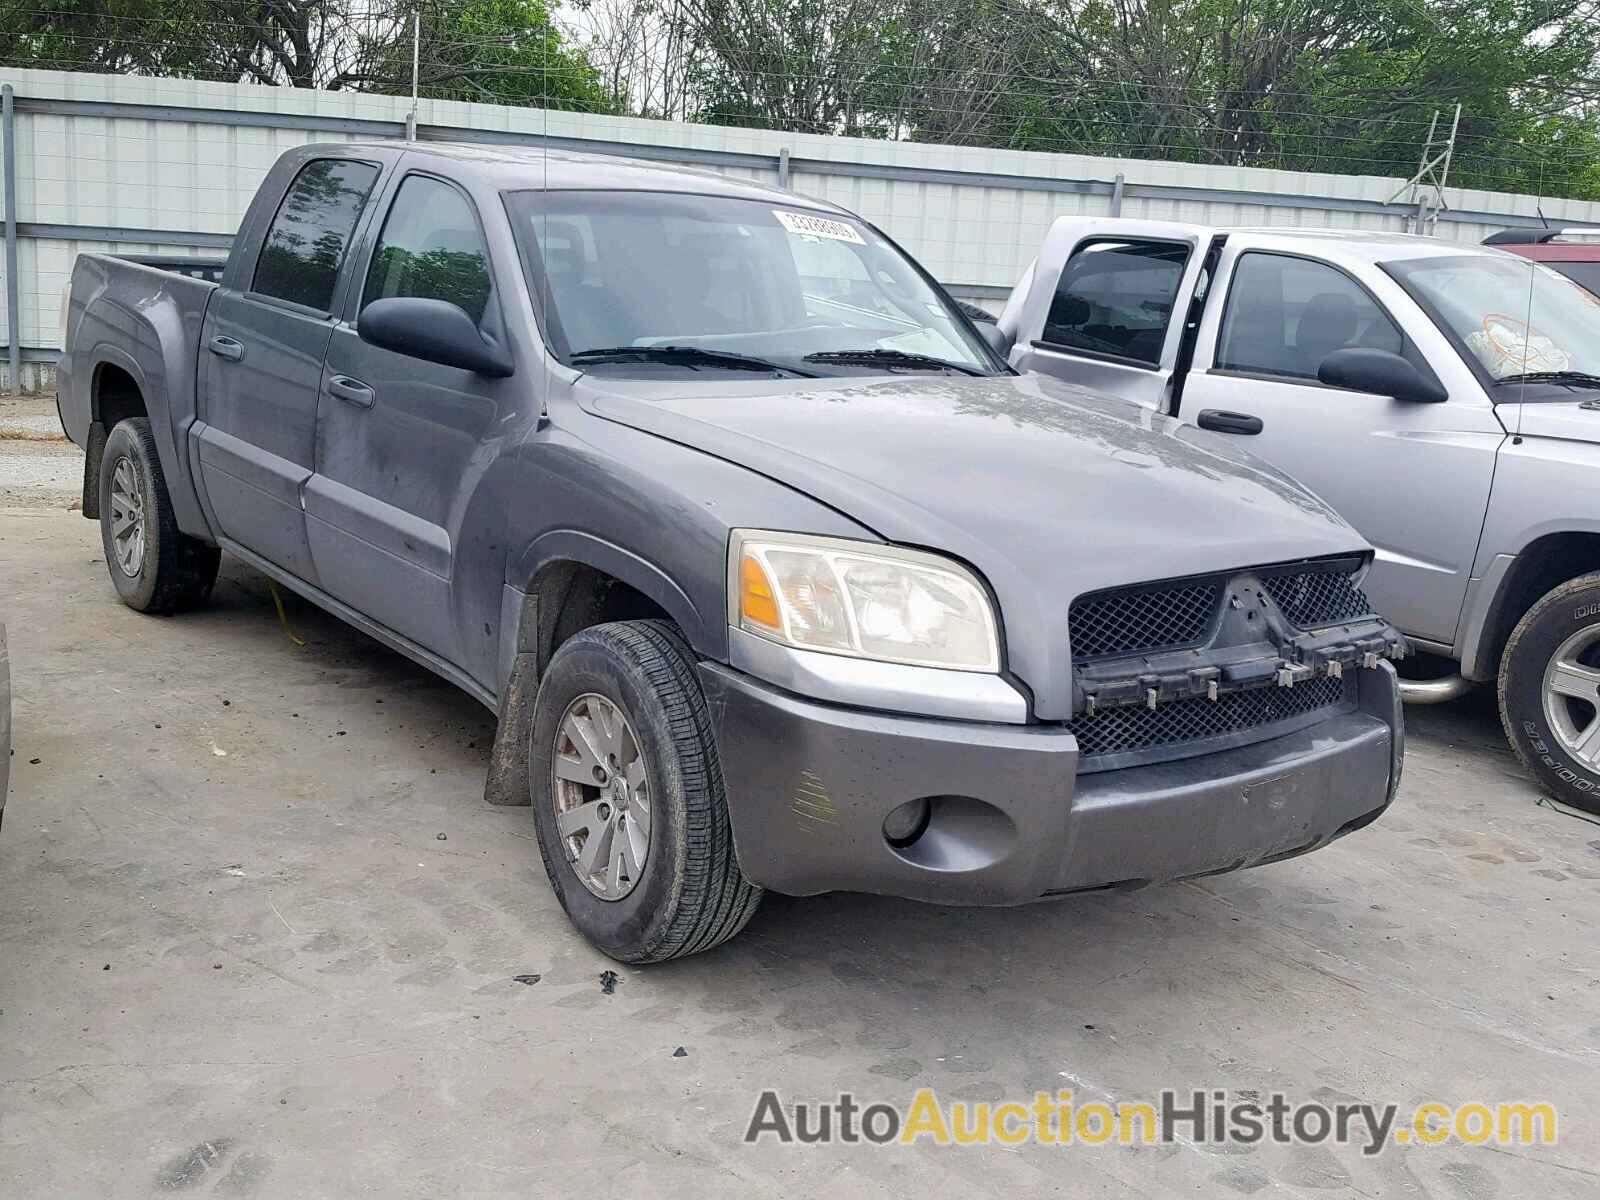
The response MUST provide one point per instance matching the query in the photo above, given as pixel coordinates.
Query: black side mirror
(1380, 372)
(435, 330)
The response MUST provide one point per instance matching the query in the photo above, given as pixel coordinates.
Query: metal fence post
(783, 167)
(1116, 195)
(8, 128)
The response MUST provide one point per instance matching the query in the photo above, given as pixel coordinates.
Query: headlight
(862, 599)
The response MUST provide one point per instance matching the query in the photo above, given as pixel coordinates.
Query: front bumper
(809, 786)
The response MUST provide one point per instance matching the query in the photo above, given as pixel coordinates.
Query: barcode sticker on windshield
(815, 226)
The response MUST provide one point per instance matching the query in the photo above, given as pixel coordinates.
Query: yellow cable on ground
(283, 617)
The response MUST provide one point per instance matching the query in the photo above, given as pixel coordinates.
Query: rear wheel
(628, 799)
(154, 566)
(1550, 691)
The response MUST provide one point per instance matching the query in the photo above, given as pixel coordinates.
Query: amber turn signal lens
(757, 604)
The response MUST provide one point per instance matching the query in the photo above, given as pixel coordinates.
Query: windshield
(621, 269)
(1515, 318)
(1585, 274)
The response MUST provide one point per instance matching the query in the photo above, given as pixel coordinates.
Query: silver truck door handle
(352, 391)
(226, 347)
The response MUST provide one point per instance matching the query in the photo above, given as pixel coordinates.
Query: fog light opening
(907, 823)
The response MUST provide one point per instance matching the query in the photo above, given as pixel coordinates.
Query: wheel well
(115, 397)
(573, 596)
(1546, 563)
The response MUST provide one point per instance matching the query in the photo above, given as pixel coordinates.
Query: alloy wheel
(1572, 696)
(601, 796)
(127, 517)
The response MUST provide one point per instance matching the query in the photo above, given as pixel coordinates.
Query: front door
(403, 445)
(1413, 478)
(261, 353)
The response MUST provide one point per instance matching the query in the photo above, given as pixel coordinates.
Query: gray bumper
(809, 786)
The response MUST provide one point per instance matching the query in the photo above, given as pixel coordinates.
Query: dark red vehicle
(1573, 252)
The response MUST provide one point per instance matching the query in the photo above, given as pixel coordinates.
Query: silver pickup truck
(776, 576)
(1444, 398)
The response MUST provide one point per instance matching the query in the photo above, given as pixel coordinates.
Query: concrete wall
(136, 165)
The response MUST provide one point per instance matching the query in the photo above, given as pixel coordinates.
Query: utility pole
(1433, 172)
(416, 58)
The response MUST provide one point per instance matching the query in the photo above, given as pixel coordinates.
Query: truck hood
(1048, 490)
(1568, 420)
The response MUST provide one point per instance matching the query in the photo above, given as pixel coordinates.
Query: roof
(533, 167)
(1357, 245)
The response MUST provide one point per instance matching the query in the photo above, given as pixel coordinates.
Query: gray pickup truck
(775, 575)
(1444, 398)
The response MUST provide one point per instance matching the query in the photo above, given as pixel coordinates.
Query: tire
(1551, 716)
(154, 567)
(689, 894)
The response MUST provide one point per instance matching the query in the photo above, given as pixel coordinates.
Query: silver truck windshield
(1521, 321)
(807, 290)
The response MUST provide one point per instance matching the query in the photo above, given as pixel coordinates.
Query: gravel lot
(39, 468)
(260, 937)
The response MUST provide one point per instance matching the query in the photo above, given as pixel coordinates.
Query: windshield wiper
(891, 358)
(1574, 378)
(689, 356)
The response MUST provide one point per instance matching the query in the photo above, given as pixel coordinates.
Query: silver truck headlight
(861, 599)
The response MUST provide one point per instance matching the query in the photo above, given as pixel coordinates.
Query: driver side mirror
(434, 330)
(1380, 372)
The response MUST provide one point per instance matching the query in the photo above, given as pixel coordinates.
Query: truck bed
(143, 320)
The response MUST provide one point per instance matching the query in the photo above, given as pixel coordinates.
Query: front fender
(703, 630)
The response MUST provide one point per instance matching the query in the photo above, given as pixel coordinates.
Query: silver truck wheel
(628, 802)
(155, 567)
(1550, 691)
(601, 795)
(1572, 696)
(127, 517)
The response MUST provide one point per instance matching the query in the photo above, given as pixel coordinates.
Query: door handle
(1219, 421)
(352, 391)
(226, 347)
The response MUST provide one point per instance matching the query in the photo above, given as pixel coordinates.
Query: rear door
(1106, 305)
(1412, 477)
(261, 352)
(403, 444)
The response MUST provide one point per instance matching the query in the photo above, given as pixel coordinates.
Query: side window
(1116, 298)
(431, 249)
(1285, 315)
(306, 241)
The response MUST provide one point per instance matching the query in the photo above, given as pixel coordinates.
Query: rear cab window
(310, 233)
(1115, 299)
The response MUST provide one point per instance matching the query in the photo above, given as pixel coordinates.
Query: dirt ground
(39, 468)
(260, 936)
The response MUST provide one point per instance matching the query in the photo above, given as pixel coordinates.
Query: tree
(497, 51)
(505, 50)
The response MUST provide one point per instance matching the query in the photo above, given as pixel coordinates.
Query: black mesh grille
(1312, 598)
(1137, 620)
(1120, 730)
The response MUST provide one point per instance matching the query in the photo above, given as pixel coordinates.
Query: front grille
(1136, 620)
(1137, 728)
(1309, 599)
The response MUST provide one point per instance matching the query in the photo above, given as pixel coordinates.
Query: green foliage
(497, 51)
(1340, 86)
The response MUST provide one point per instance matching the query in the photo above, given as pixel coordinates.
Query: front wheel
(155, 567)
(628, 798)
(1550, 691)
